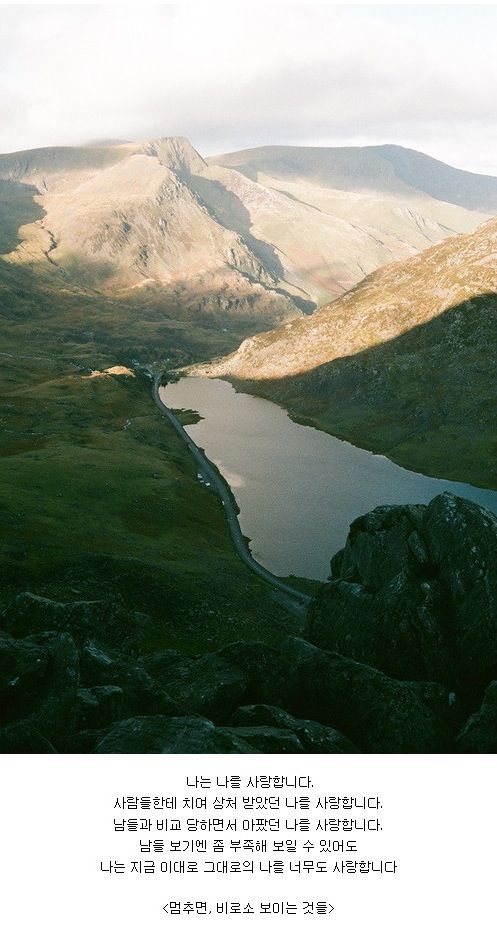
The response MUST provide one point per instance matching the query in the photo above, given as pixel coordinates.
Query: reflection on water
(298, 489)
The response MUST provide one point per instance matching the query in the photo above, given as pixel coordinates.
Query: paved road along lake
(298, 488)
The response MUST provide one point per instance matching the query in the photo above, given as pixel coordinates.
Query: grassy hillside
(98, 496)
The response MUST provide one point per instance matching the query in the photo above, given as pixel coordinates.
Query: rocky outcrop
(414, 593)
(293, 697)
(313, 737)
(106, 620)
(209, 685)
(479, 734)
(400, 656)
(169, 736)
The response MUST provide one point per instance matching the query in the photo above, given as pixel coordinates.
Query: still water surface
(298, 488)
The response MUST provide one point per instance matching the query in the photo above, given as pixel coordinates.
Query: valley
(356, 290)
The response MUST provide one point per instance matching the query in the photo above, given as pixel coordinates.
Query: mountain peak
(176, 153)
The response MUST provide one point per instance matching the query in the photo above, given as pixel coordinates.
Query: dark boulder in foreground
(23, 666)
(414, 593)
(400, 656)
(106, 620)
(23, 738)
(377, 713)
(313, 737)
(164, 735)
(207, 685)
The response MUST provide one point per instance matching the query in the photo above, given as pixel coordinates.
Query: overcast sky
(229, 77)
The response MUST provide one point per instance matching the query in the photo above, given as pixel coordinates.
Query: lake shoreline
(299, 514)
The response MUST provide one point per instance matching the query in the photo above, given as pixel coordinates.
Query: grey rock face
(313, 737)
(105, 620)
(170, 736)
(414, 593)
(23, 738)
(55, 711)
(209, 686)
(267, 739)
(141, 694)
(99, 707)
(23, 664)
(377, 713)
(479, 734)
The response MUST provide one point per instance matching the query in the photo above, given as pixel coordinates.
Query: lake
(298, 488)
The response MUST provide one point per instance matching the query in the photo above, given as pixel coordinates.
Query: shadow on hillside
(428, 397)
(17, 207)
(228, 210)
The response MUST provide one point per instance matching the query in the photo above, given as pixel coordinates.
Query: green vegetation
(98, 495)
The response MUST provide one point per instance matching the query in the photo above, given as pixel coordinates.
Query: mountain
(403, 364)
(253, 240)
(381, 169)
(123, 220)
(356, 209)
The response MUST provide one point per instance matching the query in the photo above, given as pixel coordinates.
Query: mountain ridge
(399, 165)
(155, 222)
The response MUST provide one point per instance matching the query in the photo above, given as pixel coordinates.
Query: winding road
(291, 598)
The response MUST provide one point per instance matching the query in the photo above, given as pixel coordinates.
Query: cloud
(235, 76)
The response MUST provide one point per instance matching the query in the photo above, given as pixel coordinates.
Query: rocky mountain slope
(377, 204)
(403, 364)
(154, 222)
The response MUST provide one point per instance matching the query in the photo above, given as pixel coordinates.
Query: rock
(141, 693)
(23, 665)
(314, 737)
(396, 628)
(462, 542)
(446, 705)
(267, 739)
(99, 707)
(377, 713)
(209, 685)
(157, 734)
(165, 665)
(414, 593)
(23, 738)
(267, 680)
(105, 620)
(479, 734)
(377, 548)
(39, 678)
(55, 709)
(97, 665)
(82, 743)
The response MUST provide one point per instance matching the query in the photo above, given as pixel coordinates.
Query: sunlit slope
(404, 363)
(385, 169)
(354, 209)
(383, 306)
(154, 221)
(126, 221)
